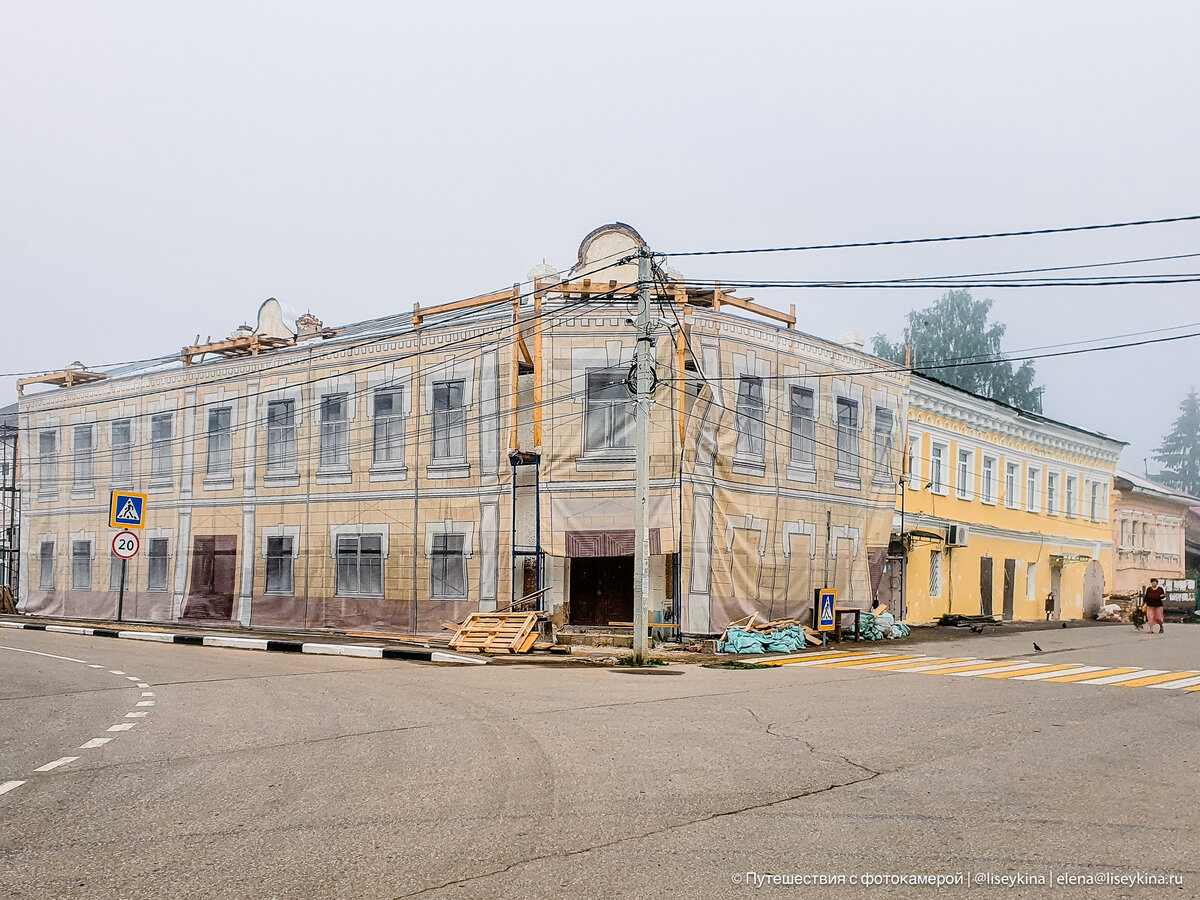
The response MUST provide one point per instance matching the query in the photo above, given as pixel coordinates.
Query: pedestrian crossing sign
(127, 510)
(826, 604)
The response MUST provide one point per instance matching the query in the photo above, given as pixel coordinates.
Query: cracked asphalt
(273, 775)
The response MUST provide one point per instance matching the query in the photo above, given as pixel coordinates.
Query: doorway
(1056, 589)
(601, 590)
(214, 567)
(985, 585)
(1010, 586)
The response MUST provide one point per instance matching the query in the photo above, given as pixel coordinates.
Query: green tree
(956, 330)
(1180, 450)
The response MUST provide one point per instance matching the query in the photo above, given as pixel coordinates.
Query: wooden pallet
(496, 633)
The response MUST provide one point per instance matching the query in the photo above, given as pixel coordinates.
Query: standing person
(1153, 599)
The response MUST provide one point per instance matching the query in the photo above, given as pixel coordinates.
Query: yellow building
(1001, 510)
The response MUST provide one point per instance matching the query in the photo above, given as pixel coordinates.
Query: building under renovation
(394, 474)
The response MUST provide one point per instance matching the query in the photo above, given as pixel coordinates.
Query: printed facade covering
(1148, 530)
(1005, 513)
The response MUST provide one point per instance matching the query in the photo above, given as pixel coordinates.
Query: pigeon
(1036, 647)
(1064, 624)
(978, 629)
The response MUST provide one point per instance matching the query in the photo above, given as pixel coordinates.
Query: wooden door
(601, 590)
(1010, 586)
(214, 573)
(1056, 589)
(985, 585)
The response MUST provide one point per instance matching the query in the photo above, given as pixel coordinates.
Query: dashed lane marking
(123, 726)
(94, 743)
(10, 785)
(61, 761)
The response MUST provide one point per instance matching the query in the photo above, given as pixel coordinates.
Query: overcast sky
(165, 167)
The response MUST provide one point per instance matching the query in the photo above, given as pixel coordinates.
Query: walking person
(1153, 598)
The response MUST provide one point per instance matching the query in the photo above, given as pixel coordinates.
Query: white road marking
(239, 642)
(889, 662)
(94, 743)
(62, 761)
(1039, 676)
(50, 655)
(147, 636)
(136, 715)
(147, 693)
(1012, 666)
(145, 703)
(124, 726)
(10, 785)
(937, 667)
(115, 672)
(1180, 683)
(833, 659)
(132, 678)
(1125, 676)
(68, 629)
(94, 666)
(142, 684)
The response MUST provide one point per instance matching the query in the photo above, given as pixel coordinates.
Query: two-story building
(1148, 532)
(394, 474)
(1002, 509)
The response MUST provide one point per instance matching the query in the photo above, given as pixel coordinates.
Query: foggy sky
(166, 167)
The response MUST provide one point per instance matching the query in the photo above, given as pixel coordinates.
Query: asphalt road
(272, 775)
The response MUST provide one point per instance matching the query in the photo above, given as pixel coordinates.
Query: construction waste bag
(785, 640)
(874, 627)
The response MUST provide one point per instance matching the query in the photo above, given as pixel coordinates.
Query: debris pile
(879, 624)
(748, 635)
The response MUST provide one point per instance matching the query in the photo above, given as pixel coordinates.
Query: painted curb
(419, 654)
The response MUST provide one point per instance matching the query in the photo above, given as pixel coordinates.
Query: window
(120, 439)
(803, 427)
(448, 567)
(609, 411)
(937, 474)
(847, 436)
(48, 461)
(751, 417)
(114, 572)
(161, 430)
(81, 565)
(1096, 507)
(1124, 533)
(1033, 492)
(935, 573)
(1072, 496)
(987, 479)
(1134, 542)
(281, 437)
(1052, 493)
(965, 475)
(1012, 481)
(449, 420)
(220, 441)
(359, 565)
(280, 565)
(335, 432)
(914, 462)
(388, 436)
(1031, 581)
(884, 422)
(157, 556)
(84, 458)
(46, 566)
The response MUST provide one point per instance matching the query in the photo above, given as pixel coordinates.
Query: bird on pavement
(978, 629)
(1036, 647)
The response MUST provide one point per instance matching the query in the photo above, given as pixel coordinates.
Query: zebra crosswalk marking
(1177, 685)
(1150, 680)
(1124, 676)
(865, 657)
(1029, 673)
(863, 661)
(994, 668)
(922, 662)
(1071, 670)
(1089, 676)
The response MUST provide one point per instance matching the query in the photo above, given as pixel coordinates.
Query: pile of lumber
(766, 626)
(496, 633)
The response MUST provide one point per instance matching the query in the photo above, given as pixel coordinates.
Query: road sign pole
(121, 591)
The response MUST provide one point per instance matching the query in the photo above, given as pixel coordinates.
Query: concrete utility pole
(641, 548)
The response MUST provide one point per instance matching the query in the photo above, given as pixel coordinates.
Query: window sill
(279, 593)
(600, 461)
(124, 483)
(461, 599)
(882, 485)
(162, 486)
(45, 496)
(388, 473)
(986, 502)
(282, 479)
(802, 473)
(749, 466)
(967, 497)
(218, 483)
(847, 481)
(358, 596)
(448, 470)
(83, 493)
(344, 476)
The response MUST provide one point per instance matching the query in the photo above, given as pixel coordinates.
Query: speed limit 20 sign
(125, 544)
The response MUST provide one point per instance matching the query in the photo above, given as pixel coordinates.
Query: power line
(932, 240)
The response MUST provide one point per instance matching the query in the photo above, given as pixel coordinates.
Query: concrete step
(596, 639)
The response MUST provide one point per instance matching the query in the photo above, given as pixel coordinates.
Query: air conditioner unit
(957, 535)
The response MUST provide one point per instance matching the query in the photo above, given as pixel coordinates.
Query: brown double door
(214, 572)
(601, 590)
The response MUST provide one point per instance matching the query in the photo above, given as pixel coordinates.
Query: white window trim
(916, 479)
(1013, 498)
(944, 490)
(1036, 504)
(447, 527)
(1031, 581)
(846, 389)
(390, 379)
(287, 531)
(995, 499)
(964, 491)
(356, 529)
(885, 481)
(1058, 493)
(1072, 510)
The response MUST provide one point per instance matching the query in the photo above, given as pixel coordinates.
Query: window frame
(218, 451)
(938, 451)
(1052, 481)
(155, 561)
(964, 473)
(440, 560)
(1013, 487)
(449, 422)
(388, 429)
(936, 586)
(81, 562)
(988, 483)
(285, 551)
(46, 582)
(605, 410)
(1033, 489)
(282, 438)
(121, 452)
(47, 461)
(802, 447)
(83, 461)
(162, 457)
(342, 589)
(750, 419)
(1070, 496)
(848, 459)
(333, 451)
(884, 472)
